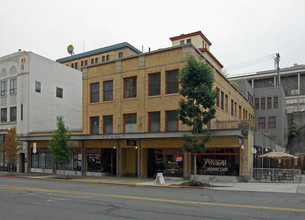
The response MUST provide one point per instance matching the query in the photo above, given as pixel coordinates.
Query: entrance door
(22, 162)
(131, 162)
(150, 163)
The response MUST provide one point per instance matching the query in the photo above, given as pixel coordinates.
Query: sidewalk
(172, 182)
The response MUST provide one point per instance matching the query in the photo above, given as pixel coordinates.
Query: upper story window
(130, 123)
(269, 102)
(94, 125)
(121, 55)
(92, 61)
(4, 115)
(263, 103)
(59, 92)
(13, 114)
(72, 65)
(154, 84)
(275, 102)
(261, 122)
(217, 97)
(107, 58)
(86, 62)
(94, 92)
(130, 87)
(188, 41)
(37, 87)
(75, 65)
(271, 122)
(181, 42)
(13, 86)
(96, 60)
(172, 81)
(222, 100)
(103, 58)
(256, 103)
(3, 88)
(171, 121)
(82, 63)
(108, 124)
(232, 107)
(108, 90)
(154, 121)
(239, 112)
(226, 103)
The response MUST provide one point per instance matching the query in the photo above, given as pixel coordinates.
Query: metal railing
(277, 175)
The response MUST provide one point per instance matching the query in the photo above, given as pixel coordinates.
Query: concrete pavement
(285, 187)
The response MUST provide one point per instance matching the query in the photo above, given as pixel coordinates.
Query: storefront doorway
(166, 161)
(101, 160)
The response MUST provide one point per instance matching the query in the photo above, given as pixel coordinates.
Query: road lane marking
(148, 199)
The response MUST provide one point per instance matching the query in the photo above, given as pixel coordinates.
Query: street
(44, 199)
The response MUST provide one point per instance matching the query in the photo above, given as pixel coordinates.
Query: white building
(34, 90)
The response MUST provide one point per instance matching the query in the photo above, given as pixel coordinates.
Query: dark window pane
(172, 81)
(154, 84)
(108, 124)
(171, 121)
(154, 121)
(94, 124)
(94, 92)
(108, 91)
(130, 87)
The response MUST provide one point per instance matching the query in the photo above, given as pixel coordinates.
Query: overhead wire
(250, 63)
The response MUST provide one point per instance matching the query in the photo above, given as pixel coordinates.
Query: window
(96, 59)
(217, 97)
(13, 86)
(94, 92)
(171, 121)
(239, 112)
(232, 107)
(121, 55)
(108, 90)
(271, 122)
(107, 58)
(130, 87)
(235, 109)
(3, 88)
(226, 103)
(59, 92)
(4, 115)
(154, 84)
(94, 125)
(256, 103)
(92, 61)
(103, 58)
(263, 103)
(188, 41)
(154, 121)
(130, 123)
(181, 42)
(86, 62)
(37, 86)
(261, 122)
(72, 65)
(13, 113)
(222, 100)
(269, 102)
(75, 65)
(275, 102)
(171, 81)
(82, 63)
(108, 124)
(21, 112)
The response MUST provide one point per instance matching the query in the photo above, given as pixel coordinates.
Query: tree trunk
(195, 166)
(64, 171)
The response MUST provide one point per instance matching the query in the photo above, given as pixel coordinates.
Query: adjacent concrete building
(34, 91)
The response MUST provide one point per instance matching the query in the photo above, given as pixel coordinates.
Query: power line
(250, 62)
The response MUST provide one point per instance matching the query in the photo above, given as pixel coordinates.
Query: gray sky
(240, 30)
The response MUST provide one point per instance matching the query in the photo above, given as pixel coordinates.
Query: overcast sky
(240, 30)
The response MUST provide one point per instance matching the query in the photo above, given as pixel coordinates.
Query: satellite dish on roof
(70, 49)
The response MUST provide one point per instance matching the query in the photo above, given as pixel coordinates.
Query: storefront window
(219, 161)
(75, 163)
(99, 160)
(42, 159)
(169, 162)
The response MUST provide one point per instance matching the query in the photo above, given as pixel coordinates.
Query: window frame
(276, 103)
(104, 125)
(263, 103)
(259, 123)
(131, 88)
(168, 83)
(124, 122)
(217, 97)
(59, 92)
(257, 103)
(269, 102)
(37, 83)
(273, 117)
(166, 120)
(107, 91)
(13, 91)
(4, 90)
(222, 100)
(13, 118)
(98, 124)
(3, 110)
(149, 121)
(154, 85)
(91, 93)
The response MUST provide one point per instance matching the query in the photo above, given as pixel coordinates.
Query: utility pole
(277, 67)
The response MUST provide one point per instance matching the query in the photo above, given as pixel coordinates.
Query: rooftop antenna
(70, 50)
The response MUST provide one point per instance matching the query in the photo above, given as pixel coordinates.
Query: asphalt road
(44, 199)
